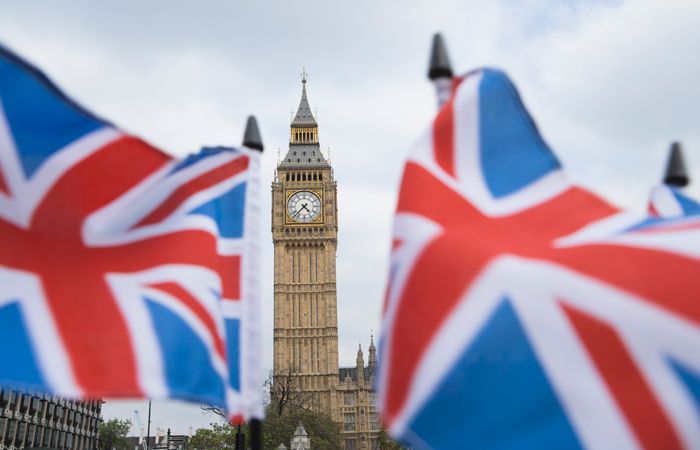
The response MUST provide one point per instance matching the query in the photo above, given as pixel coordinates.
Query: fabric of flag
(123, 272)
(523, 311)
(668, 201)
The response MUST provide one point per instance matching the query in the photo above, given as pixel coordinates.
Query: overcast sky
(610, 83)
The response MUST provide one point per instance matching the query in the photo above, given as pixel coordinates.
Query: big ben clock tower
(304, 232)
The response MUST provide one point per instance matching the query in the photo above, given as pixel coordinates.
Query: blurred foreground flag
(525, 312)
(123, 272)
(669, 201)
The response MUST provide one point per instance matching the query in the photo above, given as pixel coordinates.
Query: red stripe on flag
(626, 383)
(3, 184)
(196, 307)
(203, 181)
(651, 209)
(94, 182)
(91, 327)
(443, 138)
(230, 271)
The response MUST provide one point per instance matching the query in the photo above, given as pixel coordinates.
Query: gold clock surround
(288, 219)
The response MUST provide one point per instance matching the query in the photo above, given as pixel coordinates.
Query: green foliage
(279, 429)
(386, 443)
(218, 437)
(113, 434)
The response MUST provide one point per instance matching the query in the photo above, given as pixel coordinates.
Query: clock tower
(304, 233)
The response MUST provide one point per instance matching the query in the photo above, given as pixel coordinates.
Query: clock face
(303, 206)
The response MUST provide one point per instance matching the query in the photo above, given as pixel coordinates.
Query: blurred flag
(123, 272)
(669, 201)
(523, 311)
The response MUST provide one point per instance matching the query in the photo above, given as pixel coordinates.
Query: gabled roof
(300, 431)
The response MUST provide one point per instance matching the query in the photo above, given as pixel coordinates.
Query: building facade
(36, 420)
(305, 237)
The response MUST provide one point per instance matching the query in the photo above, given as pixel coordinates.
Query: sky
(610, 84)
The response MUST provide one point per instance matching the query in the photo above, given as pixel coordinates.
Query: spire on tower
(372, 352)
(304, 117)
(304, 149)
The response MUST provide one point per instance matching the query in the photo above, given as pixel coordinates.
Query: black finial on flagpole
(676, 174)
(251, 136)
(440, 66)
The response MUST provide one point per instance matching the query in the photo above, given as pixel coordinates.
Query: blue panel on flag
(513, 153)
(228, 211)
(16, 350)
(691, 380)
(689, 205)
(31, 105)
(233, 349)
(496, 385)
(188, 370)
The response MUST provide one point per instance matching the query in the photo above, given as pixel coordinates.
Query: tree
(113, 434)
(279, 429)
(285, 392)
(218, 437)
(386, 443)
(286, 406)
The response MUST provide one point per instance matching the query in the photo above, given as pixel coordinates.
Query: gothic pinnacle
(251, 135)
(676, 173)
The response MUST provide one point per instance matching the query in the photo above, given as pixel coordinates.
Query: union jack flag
(523, 311)
(668, 201)
(123, 272)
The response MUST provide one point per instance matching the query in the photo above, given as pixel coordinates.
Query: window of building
(3, 423)
(375, 444)
(11, 399)
(11, 427)
(47, 437)
(30, 434)
(5, 398)
(374, 421)
(349, 399)
(24, 404)
(21, 430)
(349, 422)
(350, 444)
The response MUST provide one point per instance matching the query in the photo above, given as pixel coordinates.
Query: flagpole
(440, 70)
(148, 426)
(252, 139)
